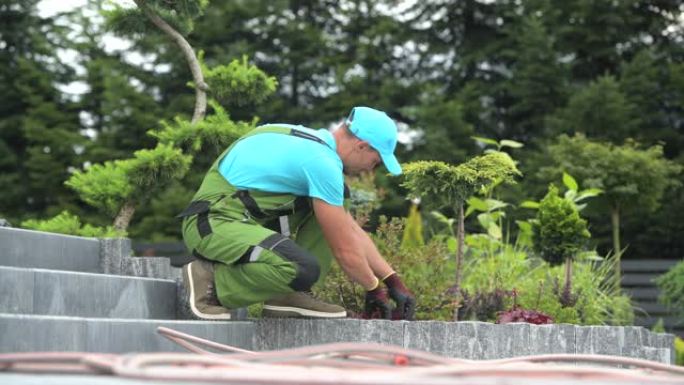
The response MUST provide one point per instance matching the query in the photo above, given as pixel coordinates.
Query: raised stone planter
(470, 340)
(41, 308)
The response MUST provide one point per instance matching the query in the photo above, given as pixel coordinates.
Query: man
(269, 218)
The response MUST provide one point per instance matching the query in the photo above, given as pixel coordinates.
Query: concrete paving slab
(53, 292)
(27, 248)
(26, 333)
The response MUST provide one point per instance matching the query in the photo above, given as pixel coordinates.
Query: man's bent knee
(308, 269)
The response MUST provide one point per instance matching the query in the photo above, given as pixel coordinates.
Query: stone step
(64, 293)
(470, 340)
(35, 333)
(27, 248)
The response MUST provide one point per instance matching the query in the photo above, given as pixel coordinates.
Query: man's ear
(363, 145)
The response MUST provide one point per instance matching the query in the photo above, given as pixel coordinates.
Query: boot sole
(187, 277)
(294, 312)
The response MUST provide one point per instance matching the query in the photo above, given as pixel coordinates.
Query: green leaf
(494, 231)
(496, 215)
(569, 181)
(495, 204)
(476, 204)
(524, 225)
(588, 193)
(440, 217)
(591, 255)
(510, 143)
(452, 245)
(530, 205)
(570, 195)
(485, 220)
(486, 140)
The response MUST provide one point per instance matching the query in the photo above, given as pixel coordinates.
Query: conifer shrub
(671, 285)
(67, 223)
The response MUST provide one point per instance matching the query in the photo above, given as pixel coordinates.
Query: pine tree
(137, 179)
(538, 82)
(39, 127)
(599, 110)
(118, 106)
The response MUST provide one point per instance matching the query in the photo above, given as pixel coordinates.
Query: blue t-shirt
(282, 163)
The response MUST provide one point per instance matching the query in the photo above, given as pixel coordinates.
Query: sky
(47, 8)
(111, 43)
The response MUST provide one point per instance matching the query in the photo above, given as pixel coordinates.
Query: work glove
(377, 304)
(405, 300)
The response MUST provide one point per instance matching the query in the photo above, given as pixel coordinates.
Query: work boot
(301, 304)
(198, 281)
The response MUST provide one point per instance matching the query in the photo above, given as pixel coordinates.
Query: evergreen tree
(39, 127)
(599, 111)
(135, 180)
(538, 82)
(633, 179)
(598, 35)
(653, 85)
(119, 106)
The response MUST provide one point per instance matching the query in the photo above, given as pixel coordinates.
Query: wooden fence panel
(638, 281)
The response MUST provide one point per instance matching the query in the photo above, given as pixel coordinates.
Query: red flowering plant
(518, 314)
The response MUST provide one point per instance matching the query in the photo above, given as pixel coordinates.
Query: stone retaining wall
(24, 250)
(470, 340)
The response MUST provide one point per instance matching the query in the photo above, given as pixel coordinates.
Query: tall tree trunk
(615, 222)
(123, 218)
(198, 78)
(459, 257)
(567, 290)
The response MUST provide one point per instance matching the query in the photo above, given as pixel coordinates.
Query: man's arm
(377, 263)
(348, 246)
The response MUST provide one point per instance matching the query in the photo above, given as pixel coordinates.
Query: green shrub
(671, 285)
(66, 223)
(490, 273)
(659, 326)
(413, 232)
(679, 351)
(597, 302)
(559, 232)
(427, 270)
(494, 268)
(495, 275)
(239, 82)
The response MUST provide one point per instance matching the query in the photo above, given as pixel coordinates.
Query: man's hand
(377, 304)
(405, 300)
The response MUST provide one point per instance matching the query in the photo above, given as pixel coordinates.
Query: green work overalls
(266, 244)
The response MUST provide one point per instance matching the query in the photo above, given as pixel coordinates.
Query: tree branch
(200, 86)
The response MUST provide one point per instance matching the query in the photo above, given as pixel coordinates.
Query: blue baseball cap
(379, 130)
